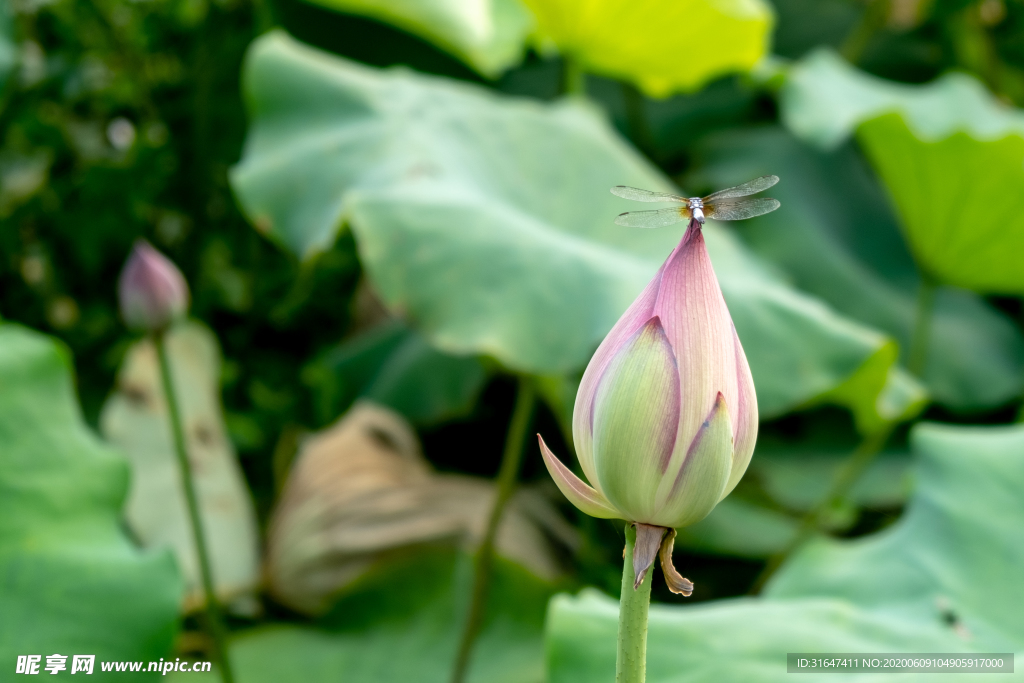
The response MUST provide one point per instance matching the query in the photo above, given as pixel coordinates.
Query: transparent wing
(750, 187)
(639, 195)
(653, 219)
(738, 209)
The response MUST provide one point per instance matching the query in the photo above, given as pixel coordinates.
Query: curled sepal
(676, 582)
(587, 499)
(648, 540)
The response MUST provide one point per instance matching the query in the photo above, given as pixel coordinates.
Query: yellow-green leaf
(951, 156)
(663, 46)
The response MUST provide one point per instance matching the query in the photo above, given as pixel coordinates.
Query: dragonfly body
(697, 209)
(731, 204)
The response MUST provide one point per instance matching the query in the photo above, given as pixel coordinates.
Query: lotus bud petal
(152, 291)
(666, 417)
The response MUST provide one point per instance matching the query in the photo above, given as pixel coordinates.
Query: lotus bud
(152, 291)
(666, 417)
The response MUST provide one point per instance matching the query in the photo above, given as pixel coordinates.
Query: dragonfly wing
(639, 195)
(738, 209)
(653, 219)
(750, 187)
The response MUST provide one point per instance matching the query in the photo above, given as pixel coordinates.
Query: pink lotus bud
(151, 289)
(666, 417)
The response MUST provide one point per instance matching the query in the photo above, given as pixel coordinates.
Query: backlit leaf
(950, 154)
(663, 46)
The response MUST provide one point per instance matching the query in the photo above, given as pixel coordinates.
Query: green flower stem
(918, 357)
(574, 78)
(872, 19)
(850, 471)
(522, 415)
(636, 119)
(213, 614)
(631, 659)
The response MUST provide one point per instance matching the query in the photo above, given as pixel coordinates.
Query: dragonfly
(731, 204)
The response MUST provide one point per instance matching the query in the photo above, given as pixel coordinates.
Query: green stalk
(631, 659)
(871, 20)
(522, 414)
(574, 78)
(636, 118)
(850, 471)
(213, 613)
(918, 357)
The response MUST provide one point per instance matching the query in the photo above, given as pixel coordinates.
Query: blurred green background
(404, 205)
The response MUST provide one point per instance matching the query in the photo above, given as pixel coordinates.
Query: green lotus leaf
(950, 154)
(939, 580)
(486, 221)
(488, 35)
(403, 624)
(663, 47)
(70, 580)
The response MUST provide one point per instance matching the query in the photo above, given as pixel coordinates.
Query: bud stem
(522, 414)
(631, 660)
(917, 361)
(215, 621)
(574, 78)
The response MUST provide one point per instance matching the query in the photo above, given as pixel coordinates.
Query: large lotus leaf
(404, 624)
(70, 580)
(395, 366)
(487, 221)
(742, 641)
(951, 156)
(135, 419)
(959, 200)
(489, 35)
(839, 241)
(945, 578)
(663, 46)
(961, 540)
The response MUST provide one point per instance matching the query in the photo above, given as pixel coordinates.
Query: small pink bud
(152, 291)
